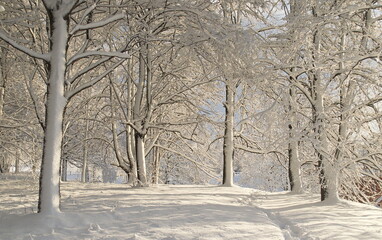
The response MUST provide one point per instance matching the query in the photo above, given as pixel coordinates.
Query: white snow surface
(167, 212)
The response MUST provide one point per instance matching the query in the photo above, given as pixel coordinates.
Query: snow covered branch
(99, 24)
(30, 52)
(199, 165)
(96, 53)
(90, 83)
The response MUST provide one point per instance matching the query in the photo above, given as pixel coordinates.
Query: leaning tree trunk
(228, 146)
(49, 196)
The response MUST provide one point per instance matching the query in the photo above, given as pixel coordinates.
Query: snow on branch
(90, 83)
(199, 165)
(87, 69)
(258, 151)
(31, 91)
(87, 12)
(30, 52)
(99, 24)
(64, 6)
(97, 53)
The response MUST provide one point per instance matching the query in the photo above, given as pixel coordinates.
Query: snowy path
(103, 211)
(169, 212)
(116, 212)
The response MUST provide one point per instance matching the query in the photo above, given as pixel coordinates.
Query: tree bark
(4, 166)
(141, 161)
(17, 161)
(228, 146)
(294, 171)
(49, 195)
(2, 84)
(139, 136)
(156, 165)
(84, 173)
(133, 173)
(64, 168)
(130, 147)
(328, 175)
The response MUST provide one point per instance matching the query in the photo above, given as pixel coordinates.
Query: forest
(277, 95)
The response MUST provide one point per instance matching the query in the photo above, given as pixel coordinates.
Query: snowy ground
(111, 211)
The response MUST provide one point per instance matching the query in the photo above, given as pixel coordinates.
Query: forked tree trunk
(328, 173)
(139, 137)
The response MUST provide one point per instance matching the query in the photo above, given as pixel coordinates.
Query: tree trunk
(328, 175)
(4, 163)
(84, 173)
(2, 84)
(64, 168)
(49, 195)
(156, 164)
(228, 147)
(130, 147)
(2, 93)
(294, 171)
(17, 161)
(4, 167)
(141, 161)
(139, 137)
(133, 174)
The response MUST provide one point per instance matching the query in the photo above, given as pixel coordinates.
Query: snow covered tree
(158, 82)
(63, 82)
(324, 61)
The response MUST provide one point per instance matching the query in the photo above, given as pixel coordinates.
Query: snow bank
(305, 217)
